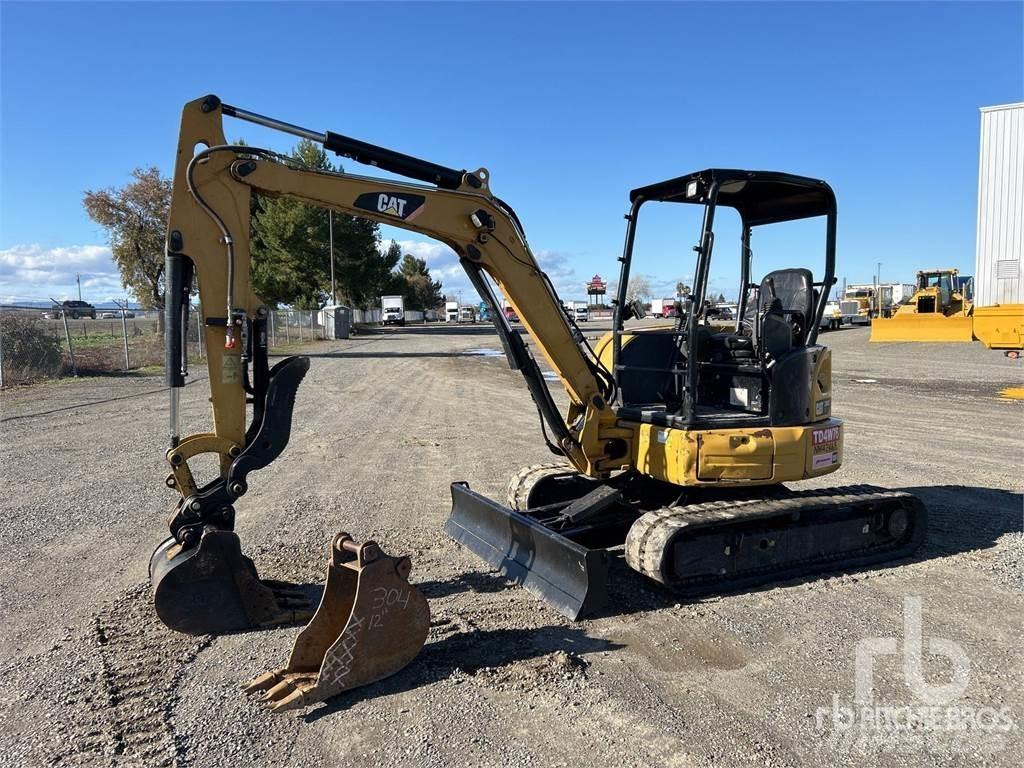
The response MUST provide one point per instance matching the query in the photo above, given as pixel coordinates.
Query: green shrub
(30, 350)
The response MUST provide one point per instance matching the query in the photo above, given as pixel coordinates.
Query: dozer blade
(1000, 326)
(569, 576)
(924, 327)
(212, 588)
(370, 624)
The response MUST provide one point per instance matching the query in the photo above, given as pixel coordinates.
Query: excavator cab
(708, 425)
(759, 372)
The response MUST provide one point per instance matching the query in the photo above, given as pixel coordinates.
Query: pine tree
(291, 260)
(420, 290)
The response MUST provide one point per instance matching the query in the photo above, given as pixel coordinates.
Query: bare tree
(135, 217)
(682, 289)
(639, 288)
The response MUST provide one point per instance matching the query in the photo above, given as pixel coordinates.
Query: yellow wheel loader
(673, 451)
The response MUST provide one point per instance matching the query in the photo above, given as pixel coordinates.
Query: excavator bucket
(923, 327)
(212, 588)
(370, 624)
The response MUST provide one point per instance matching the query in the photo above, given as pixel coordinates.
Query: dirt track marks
(135, 666)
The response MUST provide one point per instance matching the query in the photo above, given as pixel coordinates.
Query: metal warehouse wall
(998, 272)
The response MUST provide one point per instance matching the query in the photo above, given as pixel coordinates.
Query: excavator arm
(208, 236)
(488, 240)
(208, 243)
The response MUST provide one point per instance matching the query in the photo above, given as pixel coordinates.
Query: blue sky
(569, 106)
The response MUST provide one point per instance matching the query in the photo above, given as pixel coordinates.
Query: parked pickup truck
(73, 309)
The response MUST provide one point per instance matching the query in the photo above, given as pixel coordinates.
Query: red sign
(597, 285)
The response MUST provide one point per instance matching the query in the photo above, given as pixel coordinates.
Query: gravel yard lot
(384, 422)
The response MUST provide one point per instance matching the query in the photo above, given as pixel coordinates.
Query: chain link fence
(37, 345)
(293, 326)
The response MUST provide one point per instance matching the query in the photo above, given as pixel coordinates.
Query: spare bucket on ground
(370, 624)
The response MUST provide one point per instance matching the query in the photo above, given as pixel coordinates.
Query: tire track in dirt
(132, 697)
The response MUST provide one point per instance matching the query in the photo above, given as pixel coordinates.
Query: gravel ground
(384, 422)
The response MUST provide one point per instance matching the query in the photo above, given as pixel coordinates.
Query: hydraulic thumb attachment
(202, 583)
(370, 624)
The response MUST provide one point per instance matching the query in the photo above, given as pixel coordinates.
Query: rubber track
(523, 481)
(650, 537)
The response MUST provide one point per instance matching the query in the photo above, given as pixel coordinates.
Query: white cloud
(441, 260)
(444, 265)
(568, 285)
(31, 272)
(559, 265)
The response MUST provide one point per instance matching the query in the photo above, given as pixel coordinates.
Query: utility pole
(124, 330)
(78, 279)
(330, 224)
(878, 287)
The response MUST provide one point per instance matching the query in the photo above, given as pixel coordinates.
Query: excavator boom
(202, 581)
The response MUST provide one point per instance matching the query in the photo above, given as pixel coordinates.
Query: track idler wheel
(370, 624)
(212, 588)
(542, 484)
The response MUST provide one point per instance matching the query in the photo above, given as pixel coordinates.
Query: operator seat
(786, 301)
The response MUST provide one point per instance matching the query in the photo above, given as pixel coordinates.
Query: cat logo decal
(405, 207)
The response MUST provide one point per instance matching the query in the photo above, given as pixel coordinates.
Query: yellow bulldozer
(941, 310)
(938, 311)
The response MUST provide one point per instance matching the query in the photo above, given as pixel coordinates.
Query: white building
(998, 273)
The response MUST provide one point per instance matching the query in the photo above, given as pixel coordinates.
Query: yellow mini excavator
(673, 449)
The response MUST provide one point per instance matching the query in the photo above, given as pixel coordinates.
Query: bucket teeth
(285, 588)
(263, 682)
(370, 624)
(294, 700)
(294, 602)
(278, 691)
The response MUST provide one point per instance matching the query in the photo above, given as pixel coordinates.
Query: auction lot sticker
(825, 447)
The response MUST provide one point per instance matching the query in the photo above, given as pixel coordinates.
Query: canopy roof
(760, 197)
